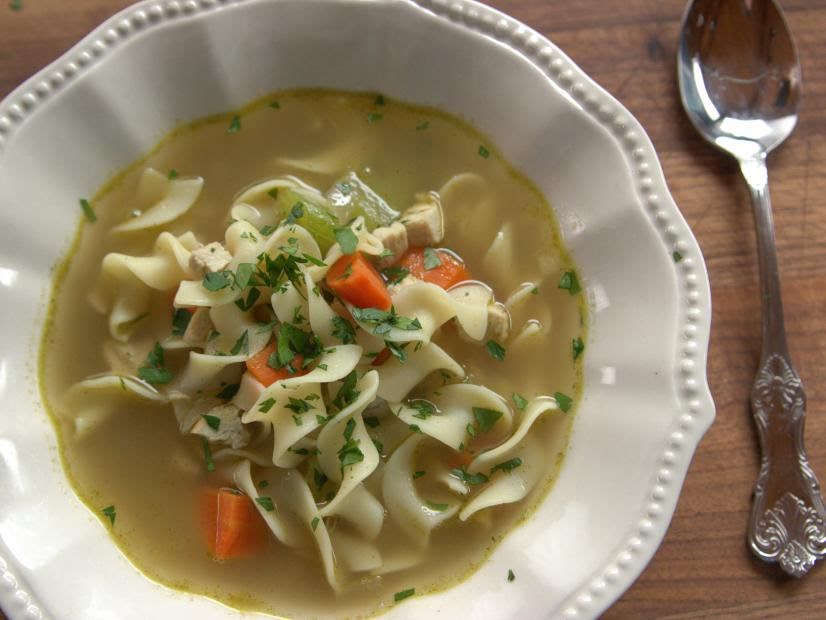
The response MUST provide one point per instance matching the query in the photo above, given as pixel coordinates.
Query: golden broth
(138, 461)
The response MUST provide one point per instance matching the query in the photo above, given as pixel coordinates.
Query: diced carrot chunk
(231, 524)
(354, 279)
(267, 375)
(452, 269)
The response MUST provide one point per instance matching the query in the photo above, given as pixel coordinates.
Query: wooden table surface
(703, 568)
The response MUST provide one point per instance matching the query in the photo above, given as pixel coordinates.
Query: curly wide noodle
(375, 484)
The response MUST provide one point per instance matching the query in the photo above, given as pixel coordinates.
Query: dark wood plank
(703, 568)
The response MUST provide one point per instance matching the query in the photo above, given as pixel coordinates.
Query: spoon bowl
(740, 86)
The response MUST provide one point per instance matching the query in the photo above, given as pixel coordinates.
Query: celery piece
(351, 197)
(316, 215)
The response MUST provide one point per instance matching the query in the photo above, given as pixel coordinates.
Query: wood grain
(703, 568)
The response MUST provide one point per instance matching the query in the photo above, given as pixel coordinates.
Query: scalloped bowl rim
(693, 409)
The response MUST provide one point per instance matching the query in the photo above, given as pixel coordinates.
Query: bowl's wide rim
(696, 408)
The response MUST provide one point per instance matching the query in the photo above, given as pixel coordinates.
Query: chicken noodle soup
(317, 357)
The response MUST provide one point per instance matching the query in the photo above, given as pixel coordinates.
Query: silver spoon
(740, 85)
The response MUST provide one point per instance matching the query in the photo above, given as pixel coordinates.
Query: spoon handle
(788, 519)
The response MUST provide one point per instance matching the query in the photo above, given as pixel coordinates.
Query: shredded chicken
(394, 239)
(499, 322)
(230, 431)
(424, 221)
(209, 258)
(199, 327)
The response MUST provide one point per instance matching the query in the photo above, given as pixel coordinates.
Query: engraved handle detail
(787, 522)
(788, 519)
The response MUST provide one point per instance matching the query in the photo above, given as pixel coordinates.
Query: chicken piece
(199, 327)
(499, 322)
(230, 431)
(424, 221)
(209, 258)
(394, 240)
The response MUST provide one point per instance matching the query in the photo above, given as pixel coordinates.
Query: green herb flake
(273, 193)
(379, 100)
(495, 350)
(374, 117)
(676, 256)
(314, 523)
(424, 408)
(511, 576)
(296, 213)
(180, 321)
(243, 273)
(483, 152)
(378, 445)
(507, 466)
(229, 391)
(210, 464)
(217, 280)
(569, 282)
(241, 345)
(343, 330)
(213, 421)
(423, 125)
(265, 502)
(347, 393)
(347, 240)
(173, 174)
(395, 274)
(246, 304)
(486, 418)
(110, 513)
(88, 211)
(319, 478)
(520, 401)
(400, 596)
(577, 347)
(275, 105)
(471, 430)
(415, 428)
(564, 401)
(263, 484)
(437, 506)
(431, 259)
(418, 474)
(462, 474)
(234, 124)
(153, 370)
(266, 405)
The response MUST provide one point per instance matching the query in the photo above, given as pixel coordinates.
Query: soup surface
(282, 382)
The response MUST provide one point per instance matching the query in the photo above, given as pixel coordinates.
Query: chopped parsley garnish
(418, 474)
(320, 419)
(437, 506)
(297, 420)
(210, 464)
(371, 421)
(349, 453)
(431, 259)
(246, 304)
(397, 350)
(243, 274)
(415, 428)
(486, 418)
(569, 282)
(378, 445)
(315, 261)
(577, 346)
(379, 100)
(507, 466)
(292, 342)
(395, 274)
(275, 105)
(153, 370)
(462, 474)
(242, 344)
(423, 125)
(180, 321)
(88, 211)
(273, 193)
(296, 213)
(520, 401)
(347, 240)
(400, 596)
(347, 393)
(676, 256)
(424, 408)
(511, 576)
(298, 405)
(266, 405)
(110, 512)
(384, 321)
(471, 430)
(213, 421)
(314, 523)
(374, 117)
(319, 478)
(234, 124)
(265, 502)
(266, 229)
(495, 350)
(173, 174)
(386, 253)
(343, 330)
(535, 290)
(564, 401)
(483, 152)
(263, 484)
(229, 391)
(217, 280)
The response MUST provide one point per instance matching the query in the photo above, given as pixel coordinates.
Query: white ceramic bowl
(646, 402)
